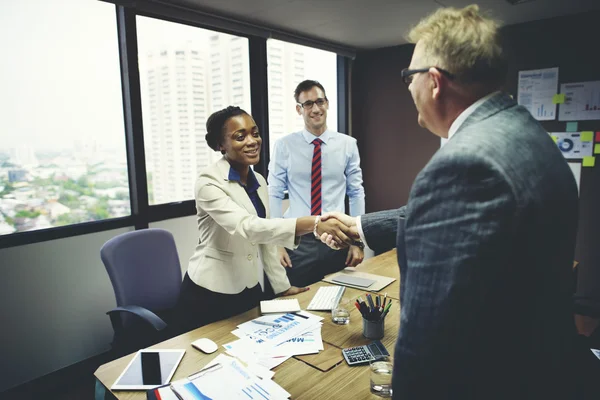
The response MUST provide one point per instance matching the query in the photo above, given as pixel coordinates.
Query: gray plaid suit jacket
(485, 248)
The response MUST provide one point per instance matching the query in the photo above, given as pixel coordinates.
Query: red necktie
(315, 186)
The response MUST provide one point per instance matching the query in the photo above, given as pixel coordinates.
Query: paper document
(582, 101)
(232, 381)
(536, 91)
(242, 349)
(271, 330)
(571, 146)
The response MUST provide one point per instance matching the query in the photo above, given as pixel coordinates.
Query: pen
(386, 311)
(364, 310)
(175, 392)
(370, 300)
(384, 299)
(203, 371)
(300, 315)
(273, 324)
(377, 301)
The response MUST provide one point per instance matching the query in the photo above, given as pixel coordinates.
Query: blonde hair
(464, 42)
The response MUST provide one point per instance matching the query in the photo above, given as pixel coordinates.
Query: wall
(393, 145)
(54, 300)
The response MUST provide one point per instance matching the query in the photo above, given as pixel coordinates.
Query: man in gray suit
(486, 241)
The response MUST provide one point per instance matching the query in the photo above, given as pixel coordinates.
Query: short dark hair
(305, 86)
(216, 123)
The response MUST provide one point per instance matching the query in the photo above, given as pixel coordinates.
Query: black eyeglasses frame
(407, 74)
(325, 101)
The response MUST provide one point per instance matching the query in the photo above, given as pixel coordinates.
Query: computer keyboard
(326, 298)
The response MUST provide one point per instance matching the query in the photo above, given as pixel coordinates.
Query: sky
(60, 74)
(54, 93)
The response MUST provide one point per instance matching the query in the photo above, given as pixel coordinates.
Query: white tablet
(149, 369)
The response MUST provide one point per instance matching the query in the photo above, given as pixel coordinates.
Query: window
(289, 64)
(171, 175)
(62, 162)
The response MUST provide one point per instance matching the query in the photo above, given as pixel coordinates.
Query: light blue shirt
(290, 167)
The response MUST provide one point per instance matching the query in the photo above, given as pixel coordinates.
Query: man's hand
(284, 257)
(351, 230)
(340, 233)
(355, 256)
(293, 290)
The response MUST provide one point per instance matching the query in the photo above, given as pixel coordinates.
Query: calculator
(363, 354)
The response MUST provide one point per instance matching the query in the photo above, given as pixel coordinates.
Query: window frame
(142, 214)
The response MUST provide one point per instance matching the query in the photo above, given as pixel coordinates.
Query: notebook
(279, 306)
(353, 280)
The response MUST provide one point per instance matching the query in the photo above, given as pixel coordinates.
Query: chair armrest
(145, 314)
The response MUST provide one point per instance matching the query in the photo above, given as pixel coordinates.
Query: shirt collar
(309, 137)
(465, 114)
(251, 184)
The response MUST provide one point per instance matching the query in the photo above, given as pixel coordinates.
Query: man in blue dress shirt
(318, 167)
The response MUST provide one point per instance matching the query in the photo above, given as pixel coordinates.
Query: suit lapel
(238, 194)
(264, 197)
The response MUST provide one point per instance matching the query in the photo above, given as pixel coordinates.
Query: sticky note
(597, 136)
(587, 136)
(589, 161)
(571, 126)
(555, 138)
(558, 98)
(597, 148)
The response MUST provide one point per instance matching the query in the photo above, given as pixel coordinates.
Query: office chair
(144, 269)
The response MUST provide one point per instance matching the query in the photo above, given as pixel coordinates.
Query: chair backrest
(144, 268)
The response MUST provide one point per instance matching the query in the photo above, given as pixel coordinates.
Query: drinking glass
(340, 314)
(381, 377)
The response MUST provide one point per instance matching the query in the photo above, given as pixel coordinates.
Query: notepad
(279, 306)
(353, 280)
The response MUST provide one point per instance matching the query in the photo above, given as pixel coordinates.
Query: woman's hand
(341, 234)
(284, 258)
(293, 290)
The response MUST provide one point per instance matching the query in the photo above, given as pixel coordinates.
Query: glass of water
(340, 314)
(381, 377)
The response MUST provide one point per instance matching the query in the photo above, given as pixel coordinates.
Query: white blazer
(231, 235)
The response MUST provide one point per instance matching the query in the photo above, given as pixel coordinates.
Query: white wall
(55, 296)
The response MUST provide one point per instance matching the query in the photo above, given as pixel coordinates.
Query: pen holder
(373, 329)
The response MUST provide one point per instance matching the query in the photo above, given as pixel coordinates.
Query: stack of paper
(271, 339)
(241, 383)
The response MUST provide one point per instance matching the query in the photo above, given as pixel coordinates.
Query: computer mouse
(205, 345)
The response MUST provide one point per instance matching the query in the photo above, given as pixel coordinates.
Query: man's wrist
(360, 231)
(359, 244)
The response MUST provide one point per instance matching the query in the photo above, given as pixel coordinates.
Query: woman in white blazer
(236, 255)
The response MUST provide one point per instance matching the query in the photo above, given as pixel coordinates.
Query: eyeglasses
(308, 104)
(407, 74)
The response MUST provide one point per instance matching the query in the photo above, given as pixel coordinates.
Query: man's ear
(438, 82)
(298, 109)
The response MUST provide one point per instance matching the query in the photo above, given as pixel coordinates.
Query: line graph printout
(536, 90)
(582, 101)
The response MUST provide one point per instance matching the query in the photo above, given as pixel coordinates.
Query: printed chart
(536, 90)
(582, 101)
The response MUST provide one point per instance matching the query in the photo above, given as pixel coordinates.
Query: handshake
(337, 230)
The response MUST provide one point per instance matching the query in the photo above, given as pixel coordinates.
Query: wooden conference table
(324, 375)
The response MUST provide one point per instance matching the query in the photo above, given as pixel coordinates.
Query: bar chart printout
(536, 90)
(582, 101)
